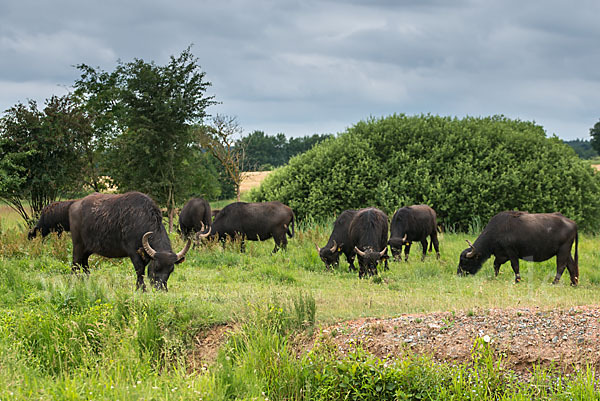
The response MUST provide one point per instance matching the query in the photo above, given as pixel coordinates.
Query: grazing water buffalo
(528, 236)
(255, 222)
(368, 235)
(126, 225)
(339, 241)
(413, 223)
(194, 216)
(53, 218)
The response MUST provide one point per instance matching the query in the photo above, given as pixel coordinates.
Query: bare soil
(565, 339)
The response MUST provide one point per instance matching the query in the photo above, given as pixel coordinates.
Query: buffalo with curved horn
(339, 242)
(117, 226)
(369, 236)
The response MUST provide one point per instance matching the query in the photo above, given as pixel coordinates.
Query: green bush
(463, 168)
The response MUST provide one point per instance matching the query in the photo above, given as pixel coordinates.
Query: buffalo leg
(436, 244)
(80, 260)
(424, 245)
(385, 260)
(350, 259)
(280, 241)
(406, 251)
(498, 261)
(514, 262)
(140, 268)
(564, 259)
(573, 270)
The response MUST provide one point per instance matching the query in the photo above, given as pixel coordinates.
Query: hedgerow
(466, 169)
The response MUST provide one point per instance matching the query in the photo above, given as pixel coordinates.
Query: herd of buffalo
(130, 225)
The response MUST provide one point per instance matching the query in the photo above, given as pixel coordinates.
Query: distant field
(253, 179)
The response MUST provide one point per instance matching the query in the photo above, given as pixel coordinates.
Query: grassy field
(64, 336)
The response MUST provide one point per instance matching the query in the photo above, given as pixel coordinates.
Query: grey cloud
(301, 65)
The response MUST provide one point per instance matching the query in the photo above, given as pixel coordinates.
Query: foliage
(219, 138)
(583, 148)
(145, 113)
(263, 152)
(595, 134)
(462, 168)
(42, 153)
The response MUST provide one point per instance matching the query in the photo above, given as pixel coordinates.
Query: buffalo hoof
(517, 280)
(437, 256)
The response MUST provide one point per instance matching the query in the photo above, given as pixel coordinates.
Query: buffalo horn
(404, 238)
(318, 249)
(472, 253)
(359, 252)
(151, 252)
(383, 252)
(200, 235)
(186, 248)
(334, 247)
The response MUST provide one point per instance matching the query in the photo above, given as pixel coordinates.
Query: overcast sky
(303, 67)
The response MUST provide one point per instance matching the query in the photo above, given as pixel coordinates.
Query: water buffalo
(520, 235)
(413, 223)
(368, 235)
(339, 241)
(194, 216)
(255, 222)
(53, 218)
(125, 225)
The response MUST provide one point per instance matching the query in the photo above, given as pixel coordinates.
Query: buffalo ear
(180, 260)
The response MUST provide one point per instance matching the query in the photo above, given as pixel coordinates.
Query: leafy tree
(145, 113)
(219, 139)
(264, 150)
(595, 134)
(583, 148)
(465, 169)
(42, 153)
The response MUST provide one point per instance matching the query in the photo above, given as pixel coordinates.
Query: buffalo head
(163, 263)
(368, 260)
(470, 261)
(396, 244)
(330, 256)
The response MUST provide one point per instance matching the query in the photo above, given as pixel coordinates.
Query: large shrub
(466, 169)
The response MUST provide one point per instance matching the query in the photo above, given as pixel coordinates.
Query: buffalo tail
(293, 226)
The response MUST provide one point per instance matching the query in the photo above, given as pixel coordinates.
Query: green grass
(65, 336)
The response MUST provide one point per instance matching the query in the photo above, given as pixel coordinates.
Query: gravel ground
(567, 339)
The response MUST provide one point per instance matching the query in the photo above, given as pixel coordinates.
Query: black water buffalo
(369, 234)
(126, 225)
(413, 223)
(255, 222)
(194, 217)
(528, 236)
(53, 218)
(339, 241)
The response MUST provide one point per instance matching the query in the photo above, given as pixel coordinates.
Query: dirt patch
(206, 346)
(567, 339)
(596, 166)
(253, 179)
